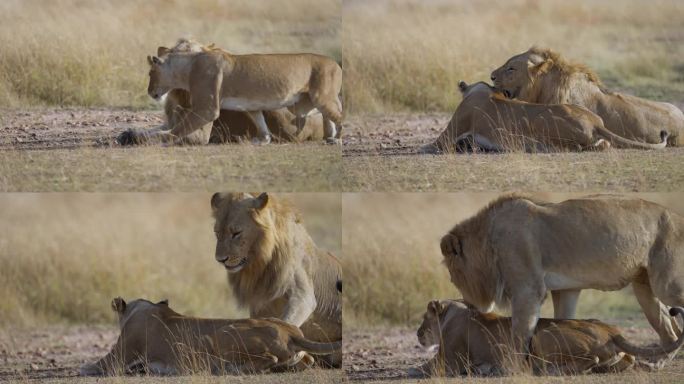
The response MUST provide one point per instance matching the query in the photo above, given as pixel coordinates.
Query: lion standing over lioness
(517, 249)
(543, 76)
(275, 269)
(216, 80)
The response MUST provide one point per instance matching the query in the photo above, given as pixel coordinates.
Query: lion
(157, 340)
(518, 248)
(275, 269)
(231, 126)
(472, 342)
(543, 76)
(216, 80)
(486, 120)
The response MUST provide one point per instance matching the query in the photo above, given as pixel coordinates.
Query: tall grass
(64, 257)
(410, 54)
(393, 264)
(92, 53)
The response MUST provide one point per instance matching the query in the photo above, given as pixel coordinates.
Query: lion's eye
(510, 69)
(236, 234)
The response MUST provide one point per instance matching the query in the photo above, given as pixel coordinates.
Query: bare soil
(56, 352)
(386, 354)
(380, 154)
(74, 149)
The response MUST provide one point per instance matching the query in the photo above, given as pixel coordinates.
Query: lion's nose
(221, 259)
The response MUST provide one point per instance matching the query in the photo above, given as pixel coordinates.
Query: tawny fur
(545, 77)
(282, 264)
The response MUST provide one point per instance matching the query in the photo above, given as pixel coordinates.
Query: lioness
(471, 342)
(518, 248)
(231, 125)
(488, 121)
(216, 79)
(155, 339)
(274, 267)
(543, 76)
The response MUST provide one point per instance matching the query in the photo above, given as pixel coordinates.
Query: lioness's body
(488, 121)
(517, 249)
(543, 76)
(283, 124)
(471, 342)
(157, 340)
(274, 267)
(216, 79)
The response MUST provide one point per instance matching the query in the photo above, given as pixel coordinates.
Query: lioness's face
(429, 331)
(513, 76)
(158, 85)
(237, 230)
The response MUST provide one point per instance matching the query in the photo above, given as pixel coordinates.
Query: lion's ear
(216, 200)
(161, 51)
(118, 305)
(450, 245)
(538, 63)
(261, 201)
(462, 86)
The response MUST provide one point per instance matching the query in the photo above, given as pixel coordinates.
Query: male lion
(274, 267)
(231, 125)
(216, 79)
(518, 248)
(471, 342)
(155, 339)
(488, 121)
(543, 76)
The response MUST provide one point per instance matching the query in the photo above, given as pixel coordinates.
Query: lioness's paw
(332, 141)
(261, 141)
(126, 137)
(90, 370)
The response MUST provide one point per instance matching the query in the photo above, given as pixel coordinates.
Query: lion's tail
(627, 143)
(315, 348)
(660, 352)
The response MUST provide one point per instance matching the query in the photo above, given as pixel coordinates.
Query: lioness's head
(125, 310)
(430, 331)
(242, 228)
(519, 72)
(471, 89)
(161, 72)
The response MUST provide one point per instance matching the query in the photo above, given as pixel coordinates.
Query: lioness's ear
(164, 302)
(161, 51)
(435, 306)
(462, 86)
(216, 200)
(261, 201)
(157, 61)
(450, 245)
(118, 305)
(149, 60)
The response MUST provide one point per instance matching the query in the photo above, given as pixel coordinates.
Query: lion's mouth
(511, 94)
(236, 267)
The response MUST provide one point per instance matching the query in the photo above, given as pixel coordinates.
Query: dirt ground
(385, 354)
(380, 154)
(74, 149)
(56, 352)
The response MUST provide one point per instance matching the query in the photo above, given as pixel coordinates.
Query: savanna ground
(401, 88)
(65, 256)
(74, 74)
(392, 269)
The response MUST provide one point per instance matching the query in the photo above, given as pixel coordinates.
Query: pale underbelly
(244, 104)
(557, 281)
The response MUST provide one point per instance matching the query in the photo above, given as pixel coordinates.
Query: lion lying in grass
(471, 342)
(487, 121)
(156, 340)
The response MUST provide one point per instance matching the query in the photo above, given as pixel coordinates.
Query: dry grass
(410, 54)
(393, 264)
(70, 52)
(286, 168)
(65, 256)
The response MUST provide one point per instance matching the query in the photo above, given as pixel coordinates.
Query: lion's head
(537, 76)
(243, 229)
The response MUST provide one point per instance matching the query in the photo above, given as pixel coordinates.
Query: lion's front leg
(565, 303)
(301, 301)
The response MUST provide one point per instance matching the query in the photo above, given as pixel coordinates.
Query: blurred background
(63, 257)
(393, 263)
(408, 55)
(93, 52)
